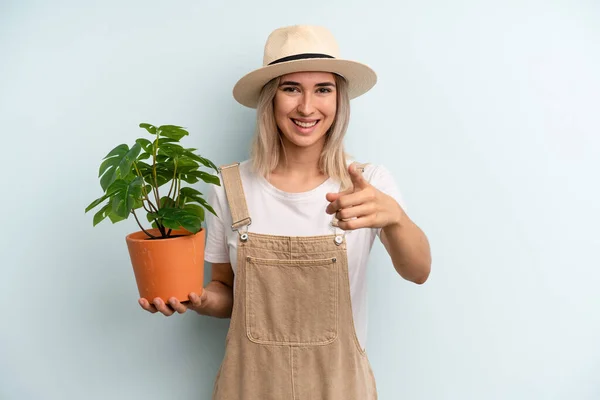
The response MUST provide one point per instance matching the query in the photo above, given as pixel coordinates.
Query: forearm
(408, 248)
(219, 300)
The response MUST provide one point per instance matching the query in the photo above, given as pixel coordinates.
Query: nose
(306, 107)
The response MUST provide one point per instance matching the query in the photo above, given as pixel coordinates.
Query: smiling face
(305, 107)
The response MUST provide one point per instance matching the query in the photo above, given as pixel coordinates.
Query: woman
(294, 230)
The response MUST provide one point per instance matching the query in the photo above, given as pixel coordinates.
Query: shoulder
(247, 176)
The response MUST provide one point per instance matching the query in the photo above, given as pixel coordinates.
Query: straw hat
(302, 48)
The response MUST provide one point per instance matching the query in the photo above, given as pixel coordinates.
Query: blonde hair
(267, 146)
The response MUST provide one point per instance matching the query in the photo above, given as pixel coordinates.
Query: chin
(304, 141)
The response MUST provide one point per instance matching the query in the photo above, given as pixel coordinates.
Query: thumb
(357, 178)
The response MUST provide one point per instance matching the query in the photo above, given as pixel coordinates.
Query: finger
(195, 300)
(177, 306)
(349, 200)
(162, 307)
(361, 211)
(147, 306)
(357, 177)
(334, 196)
(355, 223)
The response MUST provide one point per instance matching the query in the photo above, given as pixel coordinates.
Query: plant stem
(155, 151)
(138, 222)
(174, 175)
(139, 173)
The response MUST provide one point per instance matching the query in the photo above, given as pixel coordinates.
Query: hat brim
(361, 78)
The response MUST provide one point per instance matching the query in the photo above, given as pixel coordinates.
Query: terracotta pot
(166, 268)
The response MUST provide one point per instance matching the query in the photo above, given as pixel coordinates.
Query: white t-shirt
(297, 214)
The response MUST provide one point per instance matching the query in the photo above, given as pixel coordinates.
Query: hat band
(303, 56)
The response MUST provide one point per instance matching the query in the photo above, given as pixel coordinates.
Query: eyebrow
(292, 83)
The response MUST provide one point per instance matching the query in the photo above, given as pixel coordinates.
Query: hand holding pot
(195, 303)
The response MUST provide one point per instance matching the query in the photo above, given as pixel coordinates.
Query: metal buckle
(243, 226)
(228, 166)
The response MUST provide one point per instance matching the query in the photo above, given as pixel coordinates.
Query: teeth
(305, 124)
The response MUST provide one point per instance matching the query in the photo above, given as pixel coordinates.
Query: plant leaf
(118, 165)
(172, 131)
(196, 210)
(103, 213)
(109, 192)
(146, 144)
(150, 128)
(124, 167)
(175, 218)
(124, 199)
(207, 206)
(206, 177)
(204, 161)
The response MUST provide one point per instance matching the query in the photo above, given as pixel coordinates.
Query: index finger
(345, 201)
(147, 305)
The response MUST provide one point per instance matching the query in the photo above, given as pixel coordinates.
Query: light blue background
(487, 113)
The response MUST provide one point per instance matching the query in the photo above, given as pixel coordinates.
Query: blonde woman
(295, 227)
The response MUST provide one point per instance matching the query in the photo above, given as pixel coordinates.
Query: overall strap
(235, 195)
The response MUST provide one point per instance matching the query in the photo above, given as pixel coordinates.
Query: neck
(302, 162)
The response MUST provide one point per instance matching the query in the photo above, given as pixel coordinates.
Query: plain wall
(487, 113)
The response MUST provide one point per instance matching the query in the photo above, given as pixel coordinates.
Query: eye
(290, 89)
(324, 90)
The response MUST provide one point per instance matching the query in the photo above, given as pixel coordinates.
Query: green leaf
(206, 177)
(150, 128)
(207, 206)
(124, 167)
(174, 218)
(196, 210)
(108, 169)
(109, 192)
(190, 192)
(162, 141)
(103, 213)
(194, 195)
(204, 161)
(188, 179)
(152, 216)
(119, 150)
(166, 201)
(118, 165)
(186, 165)
(171, 127)
(172, 150)
(115, 218)
(95, 203)
(124, 199)
(172, 131)
(146, 145)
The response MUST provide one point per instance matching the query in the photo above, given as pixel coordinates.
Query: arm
(217, 299)
(364, 206)
(408, 247)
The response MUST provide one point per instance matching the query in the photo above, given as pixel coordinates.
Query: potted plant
(167, 260)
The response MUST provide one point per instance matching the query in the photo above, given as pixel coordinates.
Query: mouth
(305, 126)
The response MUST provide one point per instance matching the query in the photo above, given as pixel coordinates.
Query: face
(305, 106)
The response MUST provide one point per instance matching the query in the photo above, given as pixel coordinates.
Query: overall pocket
(291, 302)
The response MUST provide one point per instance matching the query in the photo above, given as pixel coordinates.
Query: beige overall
(292, 334)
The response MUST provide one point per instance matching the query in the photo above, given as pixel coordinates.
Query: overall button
(338, 240)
